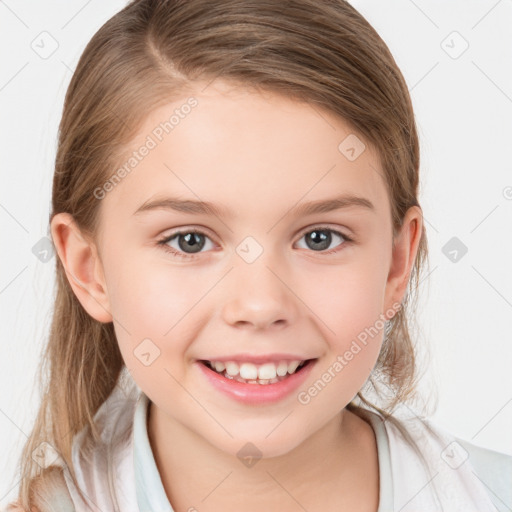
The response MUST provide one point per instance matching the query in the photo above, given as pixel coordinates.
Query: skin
(258, 155)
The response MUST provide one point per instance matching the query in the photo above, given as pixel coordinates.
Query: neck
(336, 468)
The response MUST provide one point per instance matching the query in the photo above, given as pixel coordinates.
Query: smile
(268, 382)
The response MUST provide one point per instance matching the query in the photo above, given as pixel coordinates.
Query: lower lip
(256, 393)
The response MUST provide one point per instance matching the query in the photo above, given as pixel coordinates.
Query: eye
(191, 241)
(320, 238)
(188, 240)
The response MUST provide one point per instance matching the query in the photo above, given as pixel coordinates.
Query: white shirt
(459, 476)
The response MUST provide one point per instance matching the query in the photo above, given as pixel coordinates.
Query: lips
(254, 391)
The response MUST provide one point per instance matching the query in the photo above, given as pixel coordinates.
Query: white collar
(405, 484)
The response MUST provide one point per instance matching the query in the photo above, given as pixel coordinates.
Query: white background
(463, 109)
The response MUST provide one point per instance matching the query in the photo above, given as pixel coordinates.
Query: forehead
(246, 150)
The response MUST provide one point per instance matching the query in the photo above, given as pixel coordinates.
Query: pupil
(192, 241)
(320, 237)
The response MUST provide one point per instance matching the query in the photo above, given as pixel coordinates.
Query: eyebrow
(207, 208)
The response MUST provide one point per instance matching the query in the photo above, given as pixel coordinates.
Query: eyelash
(174, 252)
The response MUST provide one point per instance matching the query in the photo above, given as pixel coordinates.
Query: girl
(235, 211)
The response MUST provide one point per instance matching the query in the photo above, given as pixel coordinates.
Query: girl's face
(265, 275)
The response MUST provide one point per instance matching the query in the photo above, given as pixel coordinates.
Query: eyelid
(338, 229)
(172, 232)
(162, 241)
(301, 233)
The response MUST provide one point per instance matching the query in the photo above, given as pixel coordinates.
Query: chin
(251, 448)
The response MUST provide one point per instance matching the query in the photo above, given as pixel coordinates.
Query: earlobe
(403, 256)
(83, 266)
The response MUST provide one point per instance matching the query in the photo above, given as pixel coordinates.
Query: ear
(83, 267)
(405, 248)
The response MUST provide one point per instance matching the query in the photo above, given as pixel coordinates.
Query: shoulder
(493, 469)
(479, 471)
(459, 473)
(50, 493)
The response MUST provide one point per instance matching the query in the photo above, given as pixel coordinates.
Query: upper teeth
(252, 371)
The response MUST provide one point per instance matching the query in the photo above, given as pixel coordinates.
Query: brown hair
(318, 51)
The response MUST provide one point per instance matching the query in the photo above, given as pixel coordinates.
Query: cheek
(150, 304)
(148, 296)
(347, 298)
(358, 332)
(348, 303)
(352, 326)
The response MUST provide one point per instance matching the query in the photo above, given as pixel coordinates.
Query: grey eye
(189, 242)
(319, 239)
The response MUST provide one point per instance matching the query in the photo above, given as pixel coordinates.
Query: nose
(258, 296)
